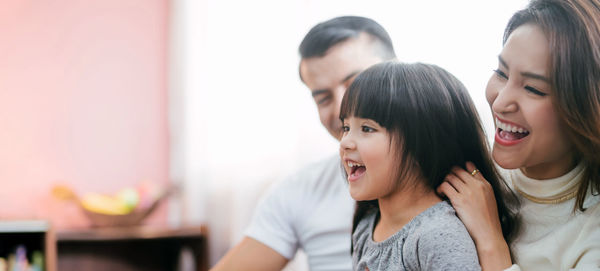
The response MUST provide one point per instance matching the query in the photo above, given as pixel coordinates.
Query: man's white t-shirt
(311, 210)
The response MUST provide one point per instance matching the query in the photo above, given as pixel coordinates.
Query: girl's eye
(367, 129)
(535, 91)
(345, 128)
(501, 74)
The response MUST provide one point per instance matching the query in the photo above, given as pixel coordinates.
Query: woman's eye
(535, 91)
(367, 129)
(501, 74)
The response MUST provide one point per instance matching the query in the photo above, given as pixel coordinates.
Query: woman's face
(529, 134)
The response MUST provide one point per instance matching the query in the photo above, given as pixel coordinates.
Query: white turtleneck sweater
(552, 236)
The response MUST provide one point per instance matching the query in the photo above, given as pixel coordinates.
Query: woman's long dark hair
(430, 116)
(572, 28)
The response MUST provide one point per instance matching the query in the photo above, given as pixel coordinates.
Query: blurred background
(100, 95)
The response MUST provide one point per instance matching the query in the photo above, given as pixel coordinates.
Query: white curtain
(241, 118)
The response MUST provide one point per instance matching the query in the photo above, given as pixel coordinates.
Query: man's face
(329, 76)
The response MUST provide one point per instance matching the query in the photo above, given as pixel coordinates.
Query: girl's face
(368, 158)
(529, 134)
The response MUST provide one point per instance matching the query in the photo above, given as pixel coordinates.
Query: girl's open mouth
(356, 171)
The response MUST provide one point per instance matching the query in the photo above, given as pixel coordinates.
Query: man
(312, 210)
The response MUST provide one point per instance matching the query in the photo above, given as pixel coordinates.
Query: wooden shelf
(128, 233)
(24, 226)
(131, 248)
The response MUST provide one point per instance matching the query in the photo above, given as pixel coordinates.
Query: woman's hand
(473, 199)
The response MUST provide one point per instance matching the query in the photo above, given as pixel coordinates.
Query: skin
(251, 255)
(366, 143)
(327, 77)
(519, 92)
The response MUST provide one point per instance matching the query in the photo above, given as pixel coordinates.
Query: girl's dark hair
(431, 118)
(572, 28)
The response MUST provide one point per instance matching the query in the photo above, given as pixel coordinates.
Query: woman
(545, 99)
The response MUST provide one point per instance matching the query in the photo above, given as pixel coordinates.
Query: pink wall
(83, 101)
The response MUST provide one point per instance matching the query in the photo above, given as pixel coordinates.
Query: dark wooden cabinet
(133, 248)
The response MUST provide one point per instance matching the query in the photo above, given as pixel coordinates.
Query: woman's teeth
(510, 128)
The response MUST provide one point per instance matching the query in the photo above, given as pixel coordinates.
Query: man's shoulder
(319, 172)
(327, 163)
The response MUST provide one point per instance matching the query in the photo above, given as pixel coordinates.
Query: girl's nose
(347, 143)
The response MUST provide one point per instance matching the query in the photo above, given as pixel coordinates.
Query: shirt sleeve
(272, 223)
(450, 248)
(514, 267)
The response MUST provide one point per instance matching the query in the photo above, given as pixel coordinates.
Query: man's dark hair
(329, 33)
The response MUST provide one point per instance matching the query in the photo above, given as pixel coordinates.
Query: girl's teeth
(350, 164)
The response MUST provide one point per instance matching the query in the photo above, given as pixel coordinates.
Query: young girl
(405, 127)
(545, 99)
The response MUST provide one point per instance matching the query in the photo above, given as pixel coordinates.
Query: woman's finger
(466, 176)
(471, 168)
(456, 182)
(446, 189)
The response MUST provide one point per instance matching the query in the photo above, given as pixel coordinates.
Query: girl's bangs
(369, 97)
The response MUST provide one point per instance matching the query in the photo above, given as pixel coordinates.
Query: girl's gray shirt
(434, 240)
